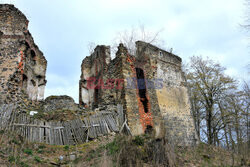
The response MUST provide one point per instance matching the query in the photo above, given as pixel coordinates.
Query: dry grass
(122, 151)
(57, 115)
(207, 156)
(14, 151)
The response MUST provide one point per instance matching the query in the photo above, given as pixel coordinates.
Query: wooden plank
(75, 130)
(47, 132)
(82, 130)
(53, 134)
(64, 134)
(99, 119)
(60, 142)
(34, 125)
(60, 133)
(41, 131)
(104, 126)
(111, 123)
(72, 132)
(92, 127)
(120, 115)
(107, 127)
(31, 131)
(88, 125)
(68, 133)
(34, 135)
(96, 128)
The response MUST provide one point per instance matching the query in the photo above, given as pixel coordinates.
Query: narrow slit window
(141, 85)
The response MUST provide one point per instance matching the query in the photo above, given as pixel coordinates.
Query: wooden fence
(69, 132)
(6, 115)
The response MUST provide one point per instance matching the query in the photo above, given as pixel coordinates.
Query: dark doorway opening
(141, 85)
(27, 45)
(149, 129)
(33, 57)
(24, 81)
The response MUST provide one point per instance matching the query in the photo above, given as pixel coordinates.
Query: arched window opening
(33, 57)
(141, 85)
(160, 53)
(27, 45)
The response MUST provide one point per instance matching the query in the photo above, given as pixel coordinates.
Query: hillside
(113, 151)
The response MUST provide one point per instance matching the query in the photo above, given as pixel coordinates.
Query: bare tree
(129, 37)
(208, 83)
(246, 91)
(91, 47)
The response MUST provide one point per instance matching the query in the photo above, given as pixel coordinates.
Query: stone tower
(150, 85)
(22, 64)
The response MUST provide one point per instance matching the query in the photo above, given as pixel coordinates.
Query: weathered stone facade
(150, 85)
(22, 64)
(93, 66)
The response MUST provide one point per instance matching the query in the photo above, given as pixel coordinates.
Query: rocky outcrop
(53, 103)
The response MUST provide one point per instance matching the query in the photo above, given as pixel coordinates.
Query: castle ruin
(150, 85)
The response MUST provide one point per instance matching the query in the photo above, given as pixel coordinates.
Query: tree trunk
(209, 125)
(224, 125)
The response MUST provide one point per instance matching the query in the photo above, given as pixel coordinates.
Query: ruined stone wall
(93, 66)
(113, 82)
(101, 80)
(119, 86)
(152, 90)
(22, 64)
(139, 102)
(172, 96)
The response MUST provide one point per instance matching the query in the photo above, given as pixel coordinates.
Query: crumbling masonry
(150, 85)
(22, 64)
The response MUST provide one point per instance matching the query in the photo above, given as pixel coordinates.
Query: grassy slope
(110, 151)
(207, 156)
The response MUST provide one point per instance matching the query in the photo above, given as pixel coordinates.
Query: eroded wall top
(13, 21)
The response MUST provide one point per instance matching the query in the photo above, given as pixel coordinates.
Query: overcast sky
(63, 28)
